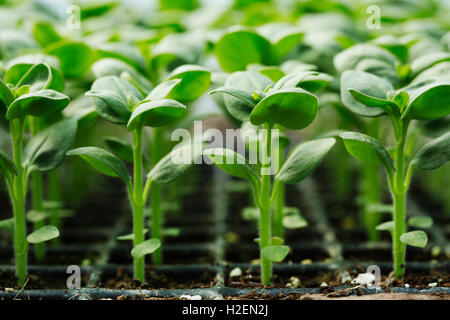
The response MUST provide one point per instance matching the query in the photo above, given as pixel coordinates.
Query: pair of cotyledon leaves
(26, 93)
(370, 96)
(252, 96)
(31, 88)
(120, 102)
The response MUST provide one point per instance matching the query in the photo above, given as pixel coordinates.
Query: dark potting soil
(158, 280)
(40, 281)
(251, 279)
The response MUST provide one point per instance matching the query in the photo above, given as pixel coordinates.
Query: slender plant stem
(370, 192)
(371, 188)
(54, 195)
(265, 208)
(37, 195)
(19, 196)
(157, 220)
(138, 203)
(278, 213)
(399, 196)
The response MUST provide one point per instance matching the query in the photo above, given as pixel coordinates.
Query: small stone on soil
(364, 279)
(236, 272)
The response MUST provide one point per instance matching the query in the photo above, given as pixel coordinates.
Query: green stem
(19, 197)
(370, 194)
(54, 195)
(157, 219)
(138, 203)
(399, 196)
(265, 209)
(371, 188)
(37, 194)
(278, 214)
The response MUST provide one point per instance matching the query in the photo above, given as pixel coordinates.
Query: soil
(251, 279)
(158, 280)
(40, 281)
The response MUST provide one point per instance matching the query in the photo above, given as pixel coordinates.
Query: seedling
(291, 108)
(254, 87)
(368, 95)
(120, 102)
(26, 94)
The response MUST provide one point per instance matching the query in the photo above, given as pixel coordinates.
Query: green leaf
(367, 149)
(430, 102)
(122, 51)
(422, 222)
(176, 163)
(114, 67)
(426, 61)
(45, 34)
(304, 159)
(7, 165)
(250, 213)
(272, 72)
(43, 234)
(171, 232)
(384, 104)
(75, 57)
(371, 91)
(162, 90)
(434, 154)
(47, 150)
(195, 80)
(111, 96)
(145, 248)
(248, 81)
(48, 69)
(41, 103)
(293, 219)
(386, 226)
(7, 224)
(242, 95)
(309, 80)
(129, 237)
(103, 161)
(231, 162)
(292, 108)
(6, 96)
(36, 216)
(350, 58)
(38, 77)
(275, 253)
(416, 238)
(156, 113)
(237, 49)
(120, 147)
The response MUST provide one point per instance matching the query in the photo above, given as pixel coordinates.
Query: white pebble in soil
(188, 297)
(236, 272)
(364, 279)
(432, 285)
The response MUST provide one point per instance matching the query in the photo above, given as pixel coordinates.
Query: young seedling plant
(120, 102)
(184, 84)
(28, 93)
(254, 85)
(291, 108)
(371, 96)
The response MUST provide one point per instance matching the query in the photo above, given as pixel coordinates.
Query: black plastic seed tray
(214, 240)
